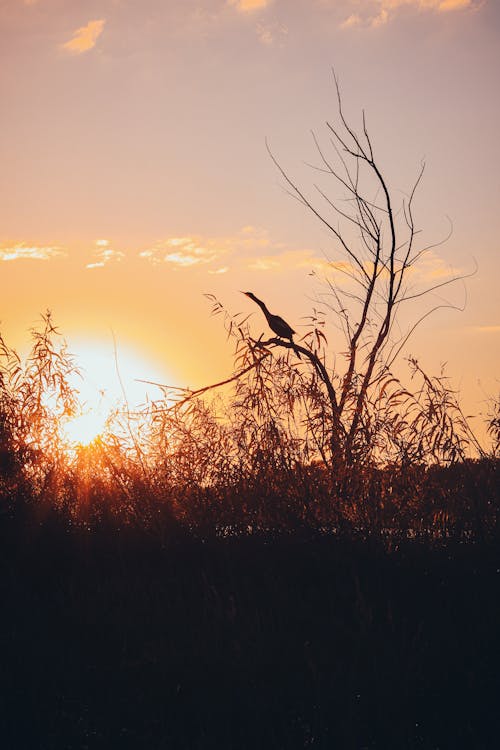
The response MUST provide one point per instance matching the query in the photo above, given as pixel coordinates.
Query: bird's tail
(295, 348)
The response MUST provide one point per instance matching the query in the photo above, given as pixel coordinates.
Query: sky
(135, 176)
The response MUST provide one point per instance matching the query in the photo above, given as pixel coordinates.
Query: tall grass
(255, 461)
(199, 577)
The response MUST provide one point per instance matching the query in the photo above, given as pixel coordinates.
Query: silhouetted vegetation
(252, 466)
(189, 581)
(310, 560)
(110, 639)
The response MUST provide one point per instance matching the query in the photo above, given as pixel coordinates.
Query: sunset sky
(135, 178)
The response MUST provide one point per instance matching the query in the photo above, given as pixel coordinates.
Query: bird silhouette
(276, 323)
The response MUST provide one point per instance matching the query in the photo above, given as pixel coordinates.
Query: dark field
(112, 640)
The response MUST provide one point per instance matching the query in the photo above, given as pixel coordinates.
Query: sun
(87, 425)
(108, 380)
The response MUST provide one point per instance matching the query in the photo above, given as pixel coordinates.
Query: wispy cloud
(291, 260)
(445, 5)
(251, 248)
(259, 252)
(270, 34)
(433, 267)
(247, 6)
(485, 329)
(85, 38)
(353, 20)
(183, 252)
(431, 270)
(21, 251)
(375, 13)
(195, 250)
(104, 254)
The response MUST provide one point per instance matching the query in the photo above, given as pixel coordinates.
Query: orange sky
(135, 175)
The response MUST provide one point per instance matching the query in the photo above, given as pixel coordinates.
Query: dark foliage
(112, 640)
(198, 583)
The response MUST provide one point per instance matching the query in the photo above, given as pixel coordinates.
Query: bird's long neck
(262, 306)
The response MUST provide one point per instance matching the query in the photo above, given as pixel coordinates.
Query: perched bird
(279, 326)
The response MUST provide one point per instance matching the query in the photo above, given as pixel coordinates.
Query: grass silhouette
(213, 584)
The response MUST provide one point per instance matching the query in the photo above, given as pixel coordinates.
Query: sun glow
(84, 428)
(107, 382)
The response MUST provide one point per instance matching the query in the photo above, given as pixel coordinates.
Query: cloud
(292, 260)
(353, 20)
(485, 329)
(433, 268)
(377, 13)
(271, 33)
(104, 255)
(246, 6)
(445, 5)
(251, 248)
(85, 38)
(183, 252)
(22, 252)
(195, 250)
(430, 271)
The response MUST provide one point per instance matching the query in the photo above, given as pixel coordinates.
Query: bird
(276, 323)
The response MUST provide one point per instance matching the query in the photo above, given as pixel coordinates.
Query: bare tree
(377, 240)
(378, 253)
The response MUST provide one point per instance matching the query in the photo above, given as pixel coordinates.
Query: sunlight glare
(107, 384)
(84, 428)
